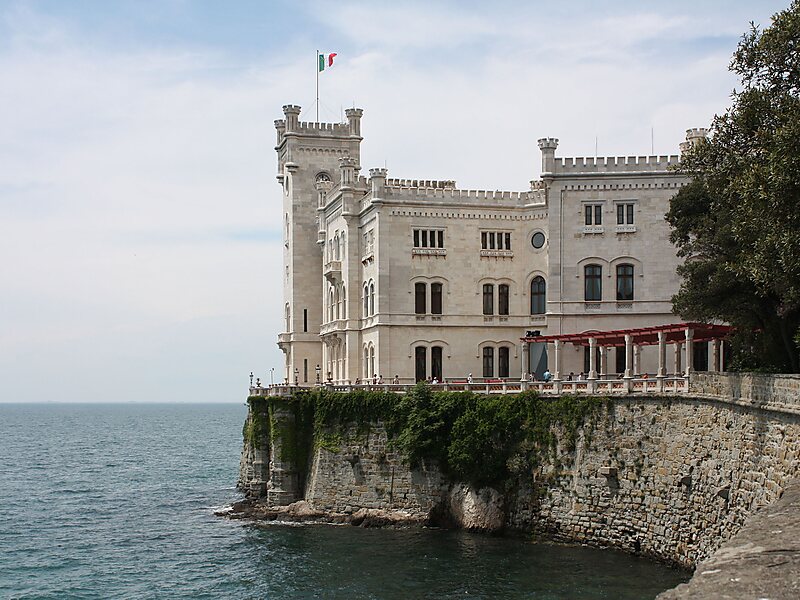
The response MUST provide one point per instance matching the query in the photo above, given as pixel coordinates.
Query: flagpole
(317, 86)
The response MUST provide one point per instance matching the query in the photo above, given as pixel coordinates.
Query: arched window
(593, 283)
(502, 299)
(436, 362)
(419, 298)
(372, 360)
(488, 299)
(624, 282)
(323, 176)
(420, 363)
(288, 316)
(343, 297)
(538, 296)
(366, 300)
(371, 298)
(336, 303)
(488, 361)
(503, 353)
(436, 298)
(341, 246)
(366, 363)
(330, 305)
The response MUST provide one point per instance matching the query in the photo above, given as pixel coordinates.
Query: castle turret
(548, 147)
(377, 178)
(347, 170)
(694, 136)
(354, 120)
(292, 113)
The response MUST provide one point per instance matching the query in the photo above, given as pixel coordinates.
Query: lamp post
(296, 375)
(271, 372)
(318, 371)
(251, 379)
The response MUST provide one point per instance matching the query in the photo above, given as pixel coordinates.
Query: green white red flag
(325, 60)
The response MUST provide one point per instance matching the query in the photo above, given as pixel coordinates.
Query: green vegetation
(484, 440)
(256, 428)
(738, 222)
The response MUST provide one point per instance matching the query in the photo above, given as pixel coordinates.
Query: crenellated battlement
(313, 127)
(613, 164)
(421, 183)
(451, 194)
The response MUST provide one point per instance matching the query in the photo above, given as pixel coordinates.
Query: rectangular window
(420, 363)
(700, 356)
(593, 283)
(587, 220)
(502, 299)
(488, 362)
(436, 362)
(419, 298)
(488, 299)
(436, 298)
(508, 241)
(502, 361)
(624, 214)
(491, 240)
(305, 370)
(620, 360)
(624, 282)
(483, 240)
(598, 214)
(428, 238)
(305, 319)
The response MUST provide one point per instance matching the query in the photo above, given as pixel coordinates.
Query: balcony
(331, 326)
(593, 229)
(332, 270)
(625, 229)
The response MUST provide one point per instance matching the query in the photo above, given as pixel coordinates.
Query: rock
(479, 510)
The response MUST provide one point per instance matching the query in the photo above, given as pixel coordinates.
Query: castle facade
(419, 279)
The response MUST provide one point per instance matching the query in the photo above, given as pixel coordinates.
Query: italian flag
(325, 58)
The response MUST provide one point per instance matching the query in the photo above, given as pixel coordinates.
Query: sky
(140, 244)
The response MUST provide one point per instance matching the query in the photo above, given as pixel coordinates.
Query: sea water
(117, 501)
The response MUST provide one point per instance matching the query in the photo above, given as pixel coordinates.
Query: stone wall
(360, 470)
(777, 392)
(668, 477)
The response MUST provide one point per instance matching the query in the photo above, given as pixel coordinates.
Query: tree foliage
(737, 223)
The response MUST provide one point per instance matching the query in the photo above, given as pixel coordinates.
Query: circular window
(537, 241)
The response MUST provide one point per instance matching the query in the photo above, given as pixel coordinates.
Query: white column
(662, 354)
(689, 351)
(525, 361)
(592, 358)
(603, 351)
(716, 365)
(677, 360)
(628, 355)
(556, 372)
(637, 360)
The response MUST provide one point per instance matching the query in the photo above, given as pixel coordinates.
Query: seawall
(670, 477)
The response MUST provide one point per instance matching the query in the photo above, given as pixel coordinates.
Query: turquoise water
(116, 501)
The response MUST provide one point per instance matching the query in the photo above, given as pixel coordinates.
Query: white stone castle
(422, 280)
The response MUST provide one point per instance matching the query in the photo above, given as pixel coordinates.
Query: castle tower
(308, 167)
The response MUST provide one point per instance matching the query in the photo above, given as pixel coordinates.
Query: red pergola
(681, 335)
(642, 336)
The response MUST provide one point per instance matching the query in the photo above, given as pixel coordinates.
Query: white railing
(655, 385)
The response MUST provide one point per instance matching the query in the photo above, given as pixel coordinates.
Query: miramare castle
(421, 279)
